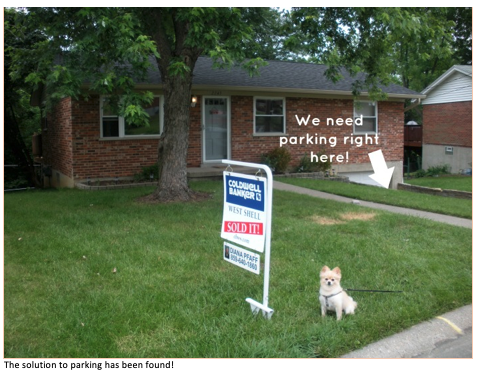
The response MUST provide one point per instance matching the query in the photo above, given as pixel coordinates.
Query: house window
(113, 125)
(369, 112)
(269, 116)
(110, 123)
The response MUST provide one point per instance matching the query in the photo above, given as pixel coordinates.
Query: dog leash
(371, 290)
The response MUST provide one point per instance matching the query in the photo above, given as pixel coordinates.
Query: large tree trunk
(173, 146)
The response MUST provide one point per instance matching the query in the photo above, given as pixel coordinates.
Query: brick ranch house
(447, 120)
(236, 117)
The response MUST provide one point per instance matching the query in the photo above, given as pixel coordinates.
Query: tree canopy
(111, 48)
(411, 46)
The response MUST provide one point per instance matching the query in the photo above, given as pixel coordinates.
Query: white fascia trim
(443, 77)
(252, 89)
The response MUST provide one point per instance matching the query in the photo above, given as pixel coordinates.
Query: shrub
(432, 171)
(278, 159)
(420, 173)
(438, 169)
(306, 165)
(16, 183)
(147, 173)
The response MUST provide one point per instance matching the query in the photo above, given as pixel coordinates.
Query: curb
(446, 336)
(447, 193)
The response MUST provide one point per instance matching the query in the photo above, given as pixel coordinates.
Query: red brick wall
(97, 158)
(246, 147)
(74, 130)
(448, 124)
(57, 139)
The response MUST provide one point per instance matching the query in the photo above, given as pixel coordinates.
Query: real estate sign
(247, 207)
(244, 216)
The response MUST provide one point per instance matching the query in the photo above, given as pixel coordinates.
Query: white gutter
(413, 105)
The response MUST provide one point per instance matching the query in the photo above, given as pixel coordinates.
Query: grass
(172, 295)
(449, 182)
(425, 202)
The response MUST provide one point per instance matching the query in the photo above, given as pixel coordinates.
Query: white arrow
(382, 174)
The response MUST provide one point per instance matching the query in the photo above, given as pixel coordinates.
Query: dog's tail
(355, 304)
(351, 307)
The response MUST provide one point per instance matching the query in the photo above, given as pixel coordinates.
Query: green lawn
(172, 295)
(449, 182)
(425, 202)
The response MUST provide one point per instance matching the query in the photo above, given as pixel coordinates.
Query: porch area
(215, 171)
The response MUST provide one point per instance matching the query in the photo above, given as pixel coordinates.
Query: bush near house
(306, 165)
(147, 173)
(278, 159)
(433, 171)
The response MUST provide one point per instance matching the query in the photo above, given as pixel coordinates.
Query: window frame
(121, 123)
(357, 130)
(255, 133)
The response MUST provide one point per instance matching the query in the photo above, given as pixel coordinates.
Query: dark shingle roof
(291, 76)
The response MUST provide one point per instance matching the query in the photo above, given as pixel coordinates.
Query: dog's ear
(324, 270)
(336, 270)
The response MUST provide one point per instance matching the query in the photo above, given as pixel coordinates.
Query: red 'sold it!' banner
(243, 227)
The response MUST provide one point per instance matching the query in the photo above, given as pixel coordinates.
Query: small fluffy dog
(331, 295)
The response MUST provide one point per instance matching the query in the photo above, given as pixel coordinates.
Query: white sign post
(247, 212)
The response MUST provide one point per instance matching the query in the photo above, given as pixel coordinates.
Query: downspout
(412, 106)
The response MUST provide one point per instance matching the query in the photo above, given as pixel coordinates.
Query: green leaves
(135, 115)
(131, 106)
(385, 43)
(221, 33)
(102, 49)
(252, 66)
(178, 68)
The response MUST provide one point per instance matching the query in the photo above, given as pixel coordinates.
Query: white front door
(216, 128)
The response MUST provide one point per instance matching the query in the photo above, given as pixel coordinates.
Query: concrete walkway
(457, 221)
(446, 336)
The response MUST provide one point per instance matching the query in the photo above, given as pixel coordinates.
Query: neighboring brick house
(447, 120)
(236, 117)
